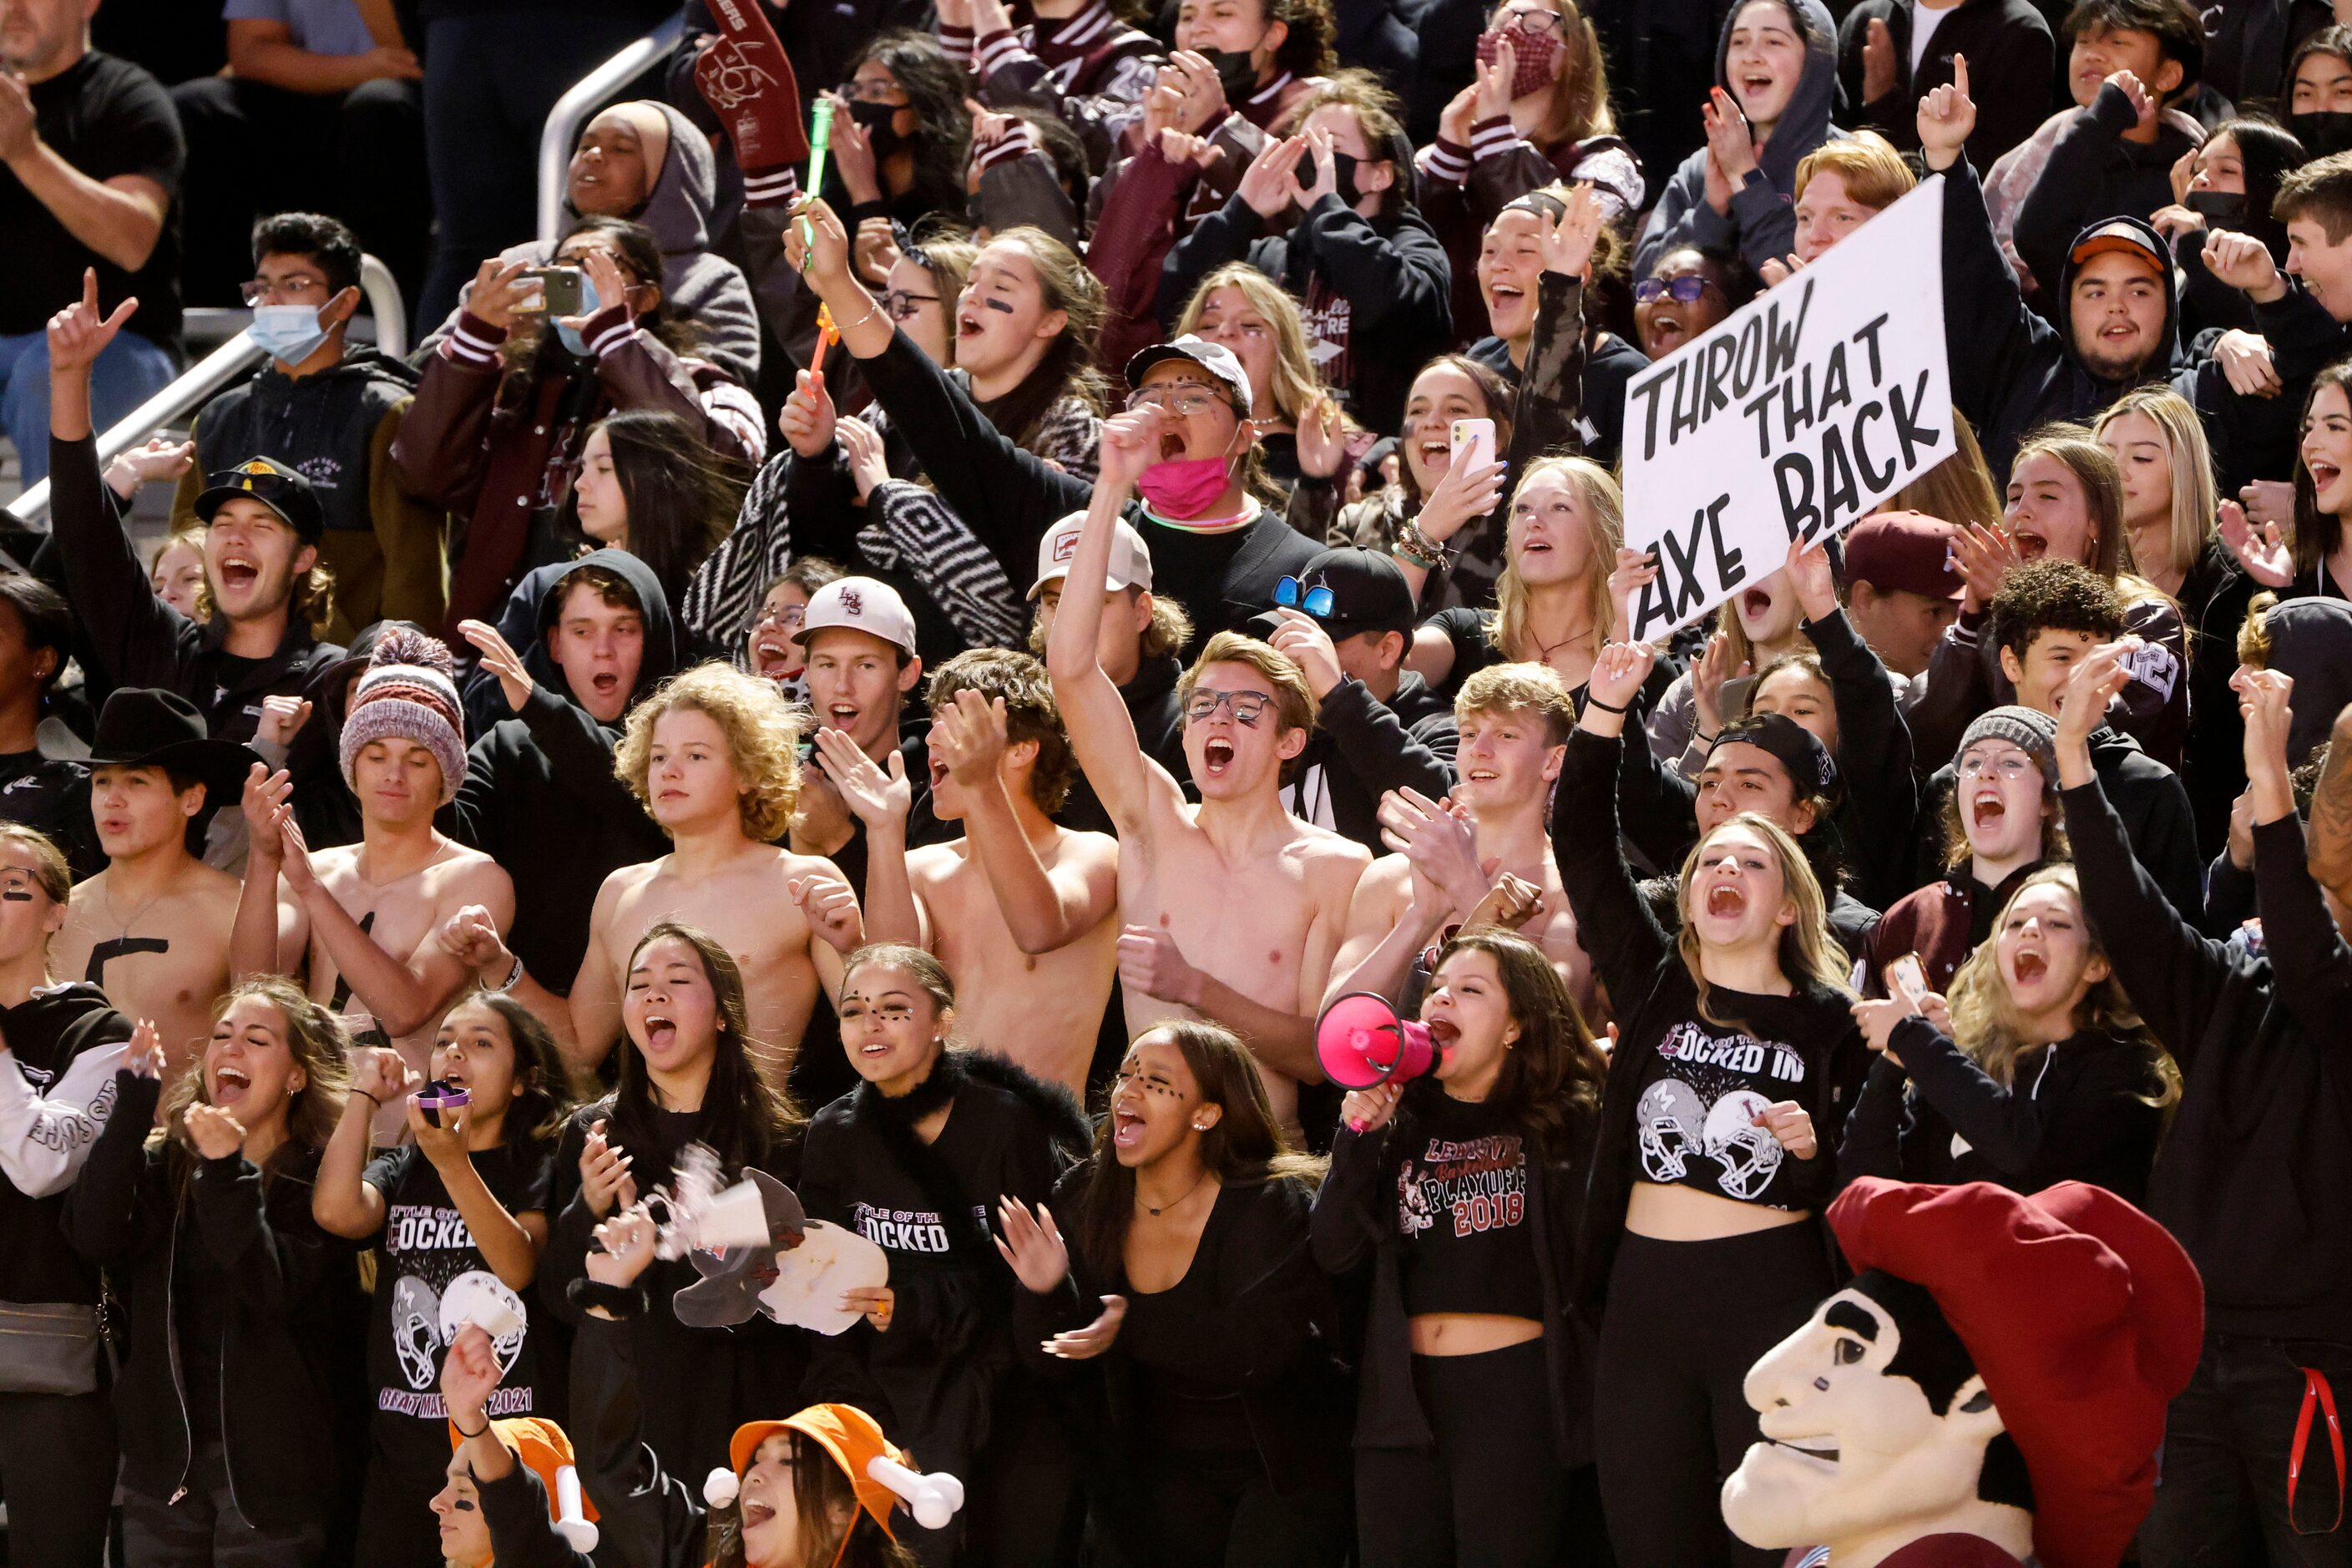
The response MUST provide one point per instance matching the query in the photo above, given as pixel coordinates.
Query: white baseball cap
(1215, 358)
(865, 605)
(1130, 558)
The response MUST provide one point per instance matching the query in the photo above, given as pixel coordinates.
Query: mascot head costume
(1990, 1385)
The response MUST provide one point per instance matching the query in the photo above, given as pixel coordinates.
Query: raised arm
(271, 933)
(1044, 910)
(1882, 795)
(1102, 731)
(46, 1134)
(119, 217)
(2310, 964)
(1986, 340)
(343, 1200)
(2330, 833)
(510, 1243)
(880, 801)
(1614, 922)
(594, 1003)
(2173, 975)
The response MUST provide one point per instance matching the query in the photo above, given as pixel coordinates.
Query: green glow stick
(820, 139)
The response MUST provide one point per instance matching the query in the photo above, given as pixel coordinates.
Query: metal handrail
(572, 111)
(217, 370)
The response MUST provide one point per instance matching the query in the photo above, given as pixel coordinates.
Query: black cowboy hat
(144, 727)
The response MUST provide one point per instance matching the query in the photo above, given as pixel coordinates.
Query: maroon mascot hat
(2084, 1318)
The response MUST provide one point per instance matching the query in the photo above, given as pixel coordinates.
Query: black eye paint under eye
(15, 895)
(462, 1505)
(996, 304)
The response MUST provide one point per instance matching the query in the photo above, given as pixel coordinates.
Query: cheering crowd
(1186, 584)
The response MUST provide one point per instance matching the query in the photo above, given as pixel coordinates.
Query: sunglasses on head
(1687, 288)
(1290, 594)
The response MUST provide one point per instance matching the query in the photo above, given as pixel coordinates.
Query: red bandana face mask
(1532, 57)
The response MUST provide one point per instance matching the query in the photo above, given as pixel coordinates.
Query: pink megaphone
(1361, 1042)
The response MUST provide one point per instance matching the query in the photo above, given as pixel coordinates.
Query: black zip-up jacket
(938, 1374)
(2011, 62)
(645, 1515)
(2080, 1110)
(1366, 747)
(541, 798)
(2253, 1171)
(296, 1298)
(1249, 1322)
(1355, 1220)
(1652, 990)
(63, 1046)
(138, 639)
(1391, 269)
(1009, 500)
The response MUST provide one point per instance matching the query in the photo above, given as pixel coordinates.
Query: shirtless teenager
(1232, 907)
(359, 923)
(152, 930)
(712, 757)
(1515, 720)
(1023, 912)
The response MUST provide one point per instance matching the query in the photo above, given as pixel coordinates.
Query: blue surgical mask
(589, 303)
(288, 333)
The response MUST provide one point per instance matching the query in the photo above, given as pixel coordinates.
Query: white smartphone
(1473, 441)
(1908, 978)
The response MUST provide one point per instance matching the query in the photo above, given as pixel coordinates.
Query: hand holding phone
(1906, 977)
(559, 289)
(1473, 442)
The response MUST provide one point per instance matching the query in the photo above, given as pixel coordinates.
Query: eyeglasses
(790, 615)
(1246, 707)
(1687, 288)
(296, 290)
(899, 305)
(1180, 399)
(1533, 21)
(1975, 767)
(1293, 595)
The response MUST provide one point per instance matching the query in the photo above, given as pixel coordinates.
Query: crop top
(1462, 1209)
(1695, 1124)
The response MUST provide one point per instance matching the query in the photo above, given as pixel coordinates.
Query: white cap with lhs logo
(1130, 558)
(859, 605)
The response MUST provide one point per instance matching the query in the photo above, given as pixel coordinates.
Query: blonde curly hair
(763, 737)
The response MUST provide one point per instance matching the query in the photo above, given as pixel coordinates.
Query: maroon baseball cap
(1906, 550)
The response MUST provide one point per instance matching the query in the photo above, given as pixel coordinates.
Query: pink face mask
(1532, 57)
(1183, 488)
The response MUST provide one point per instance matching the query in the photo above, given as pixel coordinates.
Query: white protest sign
(1792, 418)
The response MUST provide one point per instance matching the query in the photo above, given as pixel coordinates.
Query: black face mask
(1343, 176)
(2220, 209)
(2322, 132)
(874, 120)
(1237, 73)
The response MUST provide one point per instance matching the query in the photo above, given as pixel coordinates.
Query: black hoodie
(539, 795)
(2011, 370)
(2095, 174)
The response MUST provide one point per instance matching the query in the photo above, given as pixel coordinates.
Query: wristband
(1592, 701)
(1698, 739)
(514, 977)
(613, 1301)
(461, 1426)
(372, 1099)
